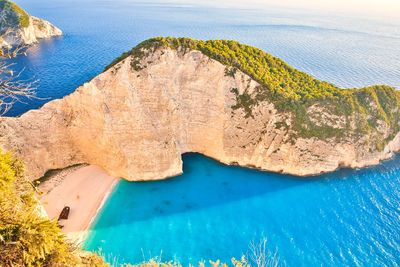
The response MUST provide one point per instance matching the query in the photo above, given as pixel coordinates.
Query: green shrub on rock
(291, 91)
(14, 15)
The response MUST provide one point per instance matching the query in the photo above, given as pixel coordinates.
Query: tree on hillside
(13, 88)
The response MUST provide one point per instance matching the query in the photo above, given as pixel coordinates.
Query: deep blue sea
(347, 218)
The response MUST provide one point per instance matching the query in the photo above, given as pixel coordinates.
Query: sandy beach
(84, 190)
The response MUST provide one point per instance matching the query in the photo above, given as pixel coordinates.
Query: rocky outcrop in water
(137, 118)
(18, 28)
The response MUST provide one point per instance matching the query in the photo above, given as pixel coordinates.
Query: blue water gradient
(348, 52)
(213, 211)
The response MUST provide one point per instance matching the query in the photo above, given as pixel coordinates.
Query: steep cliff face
(138, 117)
(19, 28)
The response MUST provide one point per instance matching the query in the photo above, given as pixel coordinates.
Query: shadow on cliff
(205, 183)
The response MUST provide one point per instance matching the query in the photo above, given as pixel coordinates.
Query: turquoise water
(213, 211)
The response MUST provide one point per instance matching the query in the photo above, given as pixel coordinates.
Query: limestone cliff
(159, 101)
(18, 28)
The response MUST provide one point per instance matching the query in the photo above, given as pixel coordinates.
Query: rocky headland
(228, 101)
(18, 28)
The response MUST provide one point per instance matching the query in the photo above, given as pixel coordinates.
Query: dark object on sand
(64, 213)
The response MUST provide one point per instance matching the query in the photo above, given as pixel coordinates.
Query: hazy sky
(365, 7)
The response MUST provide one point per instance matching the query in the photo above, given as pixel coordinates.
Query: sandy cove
(84, 190)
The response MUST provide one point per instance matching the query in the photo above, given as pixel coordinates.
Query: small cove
(213, 211)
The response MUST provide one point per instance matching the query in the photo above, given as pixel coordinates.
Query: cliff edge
(229, 101)
(18, 28)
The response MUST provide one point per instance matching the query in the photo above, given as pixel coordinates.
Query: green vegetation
(230, 71)
(291, 90)
(243, 262)
(15, 15)
(27, 238)
(258, 255)
(51, 173)
(264, 68)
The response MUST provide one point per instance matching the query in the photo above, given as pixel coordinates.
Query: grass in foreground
(29, 239)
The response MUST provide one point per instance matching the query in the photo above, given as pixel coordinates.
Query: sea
(213, 211)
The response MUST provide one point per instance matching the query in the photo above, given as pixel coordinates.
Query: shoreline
(79, 238)
(85, 190)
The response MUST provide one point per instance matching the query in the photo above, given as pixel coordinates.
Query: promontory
(18, 28)
(231, 102)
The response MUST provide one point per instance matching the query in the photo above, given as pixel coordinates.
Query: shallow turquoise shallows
(213, 211)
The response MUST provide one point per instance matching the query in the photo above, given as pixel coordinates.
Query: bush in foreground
(26, 237)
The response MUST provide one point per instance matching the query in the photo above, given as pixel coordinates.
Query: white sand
(84, 190)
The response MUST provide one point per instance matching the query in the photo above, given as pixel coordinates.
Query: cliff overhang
(229, 101)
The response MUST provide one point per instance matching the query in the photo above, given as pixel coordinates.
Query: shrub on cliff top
(290, 90)
(262, 67)
(13, 15)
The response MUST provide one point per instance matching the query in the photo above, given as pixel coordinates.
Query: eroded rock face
(136, 124)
